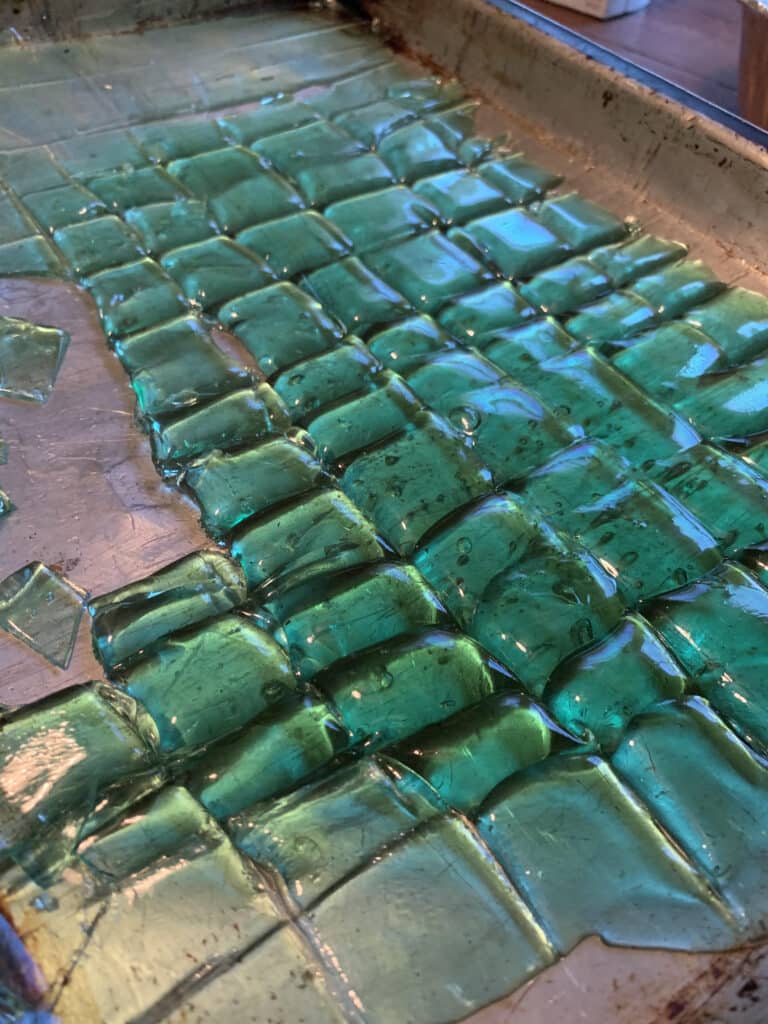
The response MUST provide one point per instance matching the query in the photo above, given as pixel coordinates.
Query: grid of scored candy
(487, 539)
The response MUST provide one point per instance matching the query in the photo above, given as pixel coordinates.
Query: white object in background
(603, 8)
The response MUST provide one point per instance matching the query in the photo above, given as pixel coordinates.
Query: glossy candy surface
(477, 651)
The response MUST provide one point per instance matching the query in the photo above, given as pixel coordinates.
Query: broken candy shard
(6, 505)
(43, 610)
(127, 621)
(30, 358)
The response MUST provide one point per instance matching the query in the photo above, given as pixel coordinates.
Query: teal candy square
(98, 244)
(296, 244)
(164, 226)
(429, 270)
(356, 296)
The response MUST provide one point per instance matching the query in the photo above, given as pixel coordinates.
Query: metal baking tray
(620, 136)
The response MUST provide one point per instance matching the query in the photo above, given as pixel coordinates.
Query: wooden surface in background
(753, 86)
(693, 43)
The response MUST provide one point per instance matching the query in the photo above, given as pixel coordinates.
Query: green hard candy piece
(319, 835)
(387, 216)
(371, 123)
(408, 484)
(579, 886)
(514, 241)
(129, 621)
(416, 151)
(407, 344)
(296, 244)
(63, 205)
(527, 594)
(309, 386)
(730, 405)
(232, 488)
(29, 257)
(428, 270)
(580, 223)
(327, 183)
(262, 196)
(725, 492)
(267, 118)
(737, 320)
(125, 189)
(58, 759)
(213, 271)
(669, 361)
(509, 430)
(473, 318)
(595, 695)
(675, 289)
(401, 688)
(585, 388)
(584, 472)
(442, 380)
(164, 226)
(463, 885)
(319, 534)
(167, 823)
(520, 350)
(204, 683)
(239, 418)
(30, 358)
(466, 756)
(177, 366)
(718, 629)
(455, 125)
(134, 296)
(30, 170)
(283, 957)
(43, 610)
(644, 539)
(627, 261)
(617, 317)
(163, 904)
(6, 505)
(460, 196)
(321, 624)
(272, 756)
(96, 245)
(171, 140)
(346, 429)
(360, 299)
(426, 94)
(281, 325)
(709, 792)
(518, 179)
(319, 143)
(757, 456)
(565, 288)
(209, 174)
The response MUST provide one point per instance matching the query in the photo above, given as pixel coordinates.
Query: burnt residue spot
(674, 1008)
(749, 990)
(608, 98)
